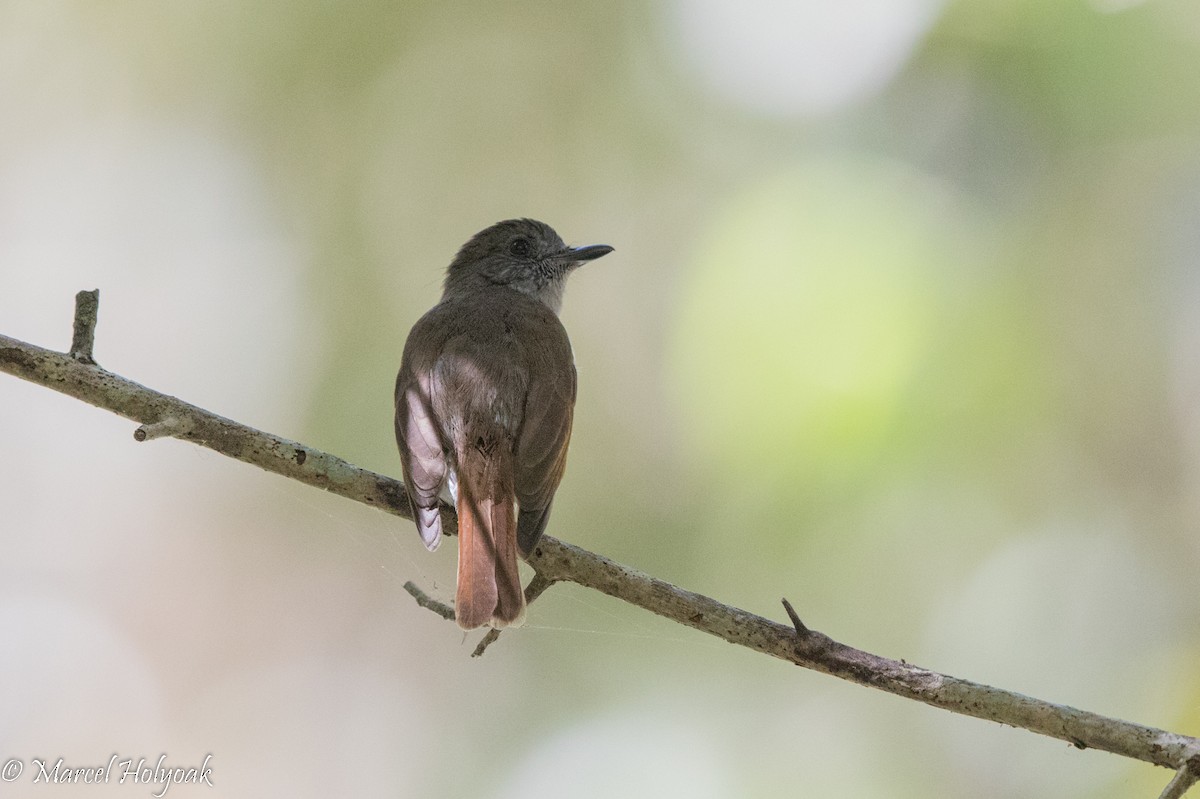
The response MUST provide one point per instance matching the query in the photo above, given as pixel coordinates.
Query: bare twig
(536, 587)
(87, 306)
(556, 560)
(532, 591)
(1187, 776)
(428, 602)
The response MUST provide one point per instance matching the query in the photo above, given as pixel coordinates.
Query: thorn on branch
(801, 630)
(170, 426)
(83, 338)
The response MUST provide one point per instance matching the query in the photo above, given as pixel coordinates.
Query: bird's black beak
(580, 254)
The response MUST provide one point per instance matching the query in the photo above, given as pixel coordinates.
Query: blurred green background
(901, 324)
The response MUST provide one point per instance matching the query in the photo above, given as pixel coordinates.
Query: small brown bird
(484, 401)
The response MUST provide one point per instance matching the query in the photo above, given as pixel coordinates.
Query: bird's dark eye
(520, 247)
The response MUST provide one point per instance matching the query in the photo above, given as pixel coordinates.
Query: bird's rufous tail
(489, 585)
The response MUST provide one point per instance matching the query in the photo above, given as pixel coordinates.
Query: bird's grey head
(522, 254)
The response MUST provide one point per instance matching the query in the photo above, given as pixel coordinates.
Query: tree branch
(161, 415)
(556, 561)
